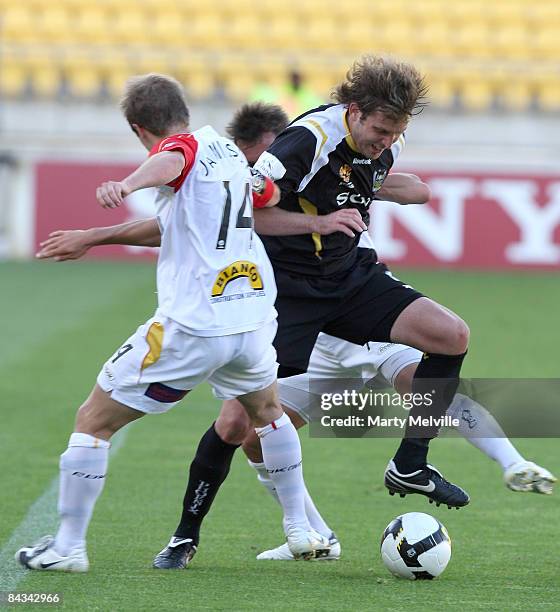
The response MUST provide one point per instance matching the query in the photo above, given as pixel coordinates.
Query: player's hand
(346, 220)
(63, 245)
(111, 194)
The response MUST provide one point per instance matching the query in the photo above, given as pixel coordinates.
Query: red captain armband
(263, 189)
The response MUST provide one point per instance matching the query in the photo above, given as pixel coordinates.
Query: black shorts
(359, 306)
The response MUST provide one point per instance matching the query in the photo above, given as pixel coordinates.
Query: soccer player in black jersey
(338, 157)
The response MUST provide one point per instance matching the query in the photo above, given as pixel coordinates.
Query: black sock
(207, 472)
(439, 373)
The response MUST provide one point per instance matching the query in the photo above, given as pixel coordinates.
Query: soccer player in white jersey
(215, 320)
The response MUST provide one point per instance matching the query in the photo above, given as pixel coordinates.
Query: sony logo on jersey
(358, 160)
(354, 198)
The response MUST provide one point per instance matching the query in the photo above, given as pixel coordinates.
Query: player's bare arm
(404, 189)
(63, 245)
(157, 170)
(280, 222)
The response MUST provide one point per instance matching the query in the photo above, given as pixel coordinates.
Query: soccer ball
(415, 546)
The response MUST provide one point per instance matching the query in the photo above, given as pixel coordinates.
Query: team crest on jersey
(237, 269)
(378, 177)
(345, 173)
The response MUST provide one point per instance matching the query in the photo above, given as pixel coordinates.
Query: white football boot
(306, 544)
(283, 552)
(42, 556)
(528, 476)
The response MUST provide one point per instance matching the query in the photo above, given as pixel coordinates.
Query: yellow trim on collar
(349, 139)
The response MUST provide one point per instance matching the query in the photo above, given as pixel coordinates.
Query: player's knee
(452, 337)
(268, 411)
(233, 424)
(459, 337)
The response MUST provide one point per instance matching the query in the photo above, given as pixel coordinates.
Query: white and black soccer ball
(415, 546)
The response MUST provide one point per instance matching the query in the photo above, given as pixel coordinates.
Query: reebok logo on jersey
(364, 162)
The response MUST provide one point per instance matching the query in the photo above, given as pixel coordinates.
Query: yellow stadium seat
(432, 39)
(238, 87)
(476, 92)
(152, 62)
(205, 34)
(510, 43)
(245, 34)
(320, 35)
(130, 27)
(93, 25)
(115, 81)
(56, 25)
(545, 44)
(84, 82)
(320, 81)
(272, 70)
(46, 80)
(13, 79)
(471, 41)
(283, 34)
(196, 72)
(398, 37)
(548, 92)
(441, 89)
(517, 93)
(200, 85)
(423, 14)
(542, 15)
(362, 37)
(19, 24)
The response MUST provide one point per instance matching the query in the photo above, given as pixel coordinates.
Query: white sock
(315, 519)
(482, 430)
(282, 456)
(82, 475)
(264, 478)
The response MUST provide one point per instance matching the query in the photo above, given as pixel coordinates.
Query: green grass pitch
(60, 322)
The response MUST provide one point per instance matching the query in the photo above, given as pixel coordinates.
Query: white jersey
(213, 275)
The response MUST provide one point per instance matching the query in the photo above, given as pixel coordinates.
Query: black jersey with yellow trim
(318, 169)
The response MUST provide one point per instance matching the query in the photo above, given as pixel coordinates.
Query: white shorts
(336, 365)
(156, 367)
